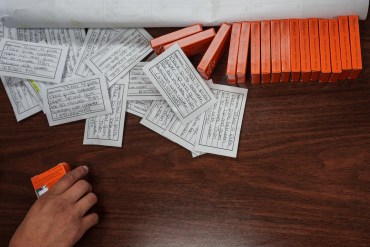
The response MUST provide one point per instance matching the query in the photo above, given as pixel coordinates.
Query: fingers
(89, 221)
(77, 190)
(85, 203)
(69, 179)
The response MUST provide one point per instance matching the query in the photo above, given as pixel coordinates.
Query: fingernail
(86, 168)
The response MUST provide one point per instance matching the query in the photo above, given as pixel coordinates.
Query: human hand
(58, 218)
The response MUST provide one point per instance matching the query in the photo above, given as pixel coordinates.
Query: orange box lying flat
(354, 31)
(275, 51)
(233, 52)
(241, 68)
(345, 47)
(324, 50)
(266, 51)
(314, 49)
(255, 52)
(158, 43)
(304, 37)
(285, 50)
(214, 52)
(196, 43)
(44, 181)
(336, 62)
(295, 53)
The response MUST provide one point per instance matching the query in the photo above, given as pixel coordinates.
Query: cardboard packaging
(354, 31)
(324, 50)
(233, 53)
(345, 47)
(285, 50)
(266, 51)
(255, 52)
(314, 49)
(275, 51)
(295, 52)
(214, 52)
(158, 43)
(336, 61)
(304, 37)
(44, 181)
(241, 68)
(196, 43)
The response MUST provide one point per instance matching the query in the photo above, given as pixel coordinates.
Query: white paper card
(95, 39)
(184, 134)
(107, 130)
(121, 53)
(158, 117)
(220, 126)
(35, 35)
(32, 60)
(140, 87)
(180, 84)
(78, 99)
(23, 103)
(66, 37)
(138, 107)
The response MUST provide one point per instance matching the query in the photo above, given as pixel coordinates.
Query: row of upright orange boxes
(279, 50)
(325, 50)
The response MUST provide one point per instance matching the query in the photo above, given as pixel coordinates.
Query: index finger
(69, 179)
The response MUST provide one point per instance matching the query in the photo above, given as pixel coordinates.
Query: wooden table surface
(302, 176)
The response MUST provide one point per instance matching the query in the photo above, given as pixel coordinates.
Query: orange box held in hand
(255, 52)
(266, 51)
(295, 52)
(286, 67)
(157, 44)
(345, 47)
(196, 43)
(324, 50)
(214, 52)
(241, 68)
(314, 49)
(275, 51)
(233, 53)
(304, 37)
(336, 62)
(44, 181)
(354, 31)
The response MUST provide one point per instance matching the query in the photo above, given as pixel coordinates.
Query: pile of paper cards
(98, 76)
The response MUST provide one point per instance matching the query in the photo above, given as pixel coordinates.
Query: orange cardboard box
(336, 61)
(214, 52)
(345, 47)
(315, 49)
(233, 53)
(158, 43)
(266, 51)
(241, 68)
(304, 37)
(44, 181)
(324, 50)
(196, 43)
(256, 52)
(354, 31)
(295, 53)
(285, 50)
(275, 51)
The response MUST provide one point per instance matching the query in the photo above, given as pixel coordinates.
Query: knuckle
(69, 177)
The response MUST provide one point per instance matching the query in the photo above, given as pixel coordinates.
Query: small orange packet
(44, 181)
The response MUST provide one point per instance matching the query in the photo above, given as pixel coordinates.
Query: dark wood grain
(302, 176)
